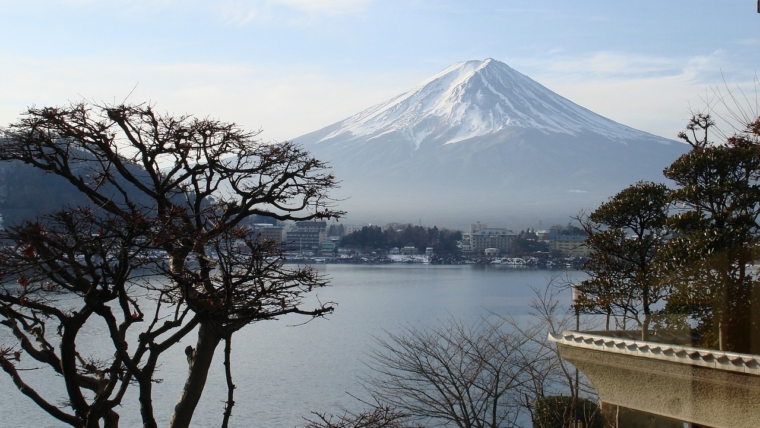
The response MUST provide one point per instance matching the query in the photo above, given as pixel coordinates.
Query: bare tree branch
(164, 233)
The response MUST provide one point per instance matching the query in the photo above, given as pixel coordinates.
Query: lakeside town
(320, 242)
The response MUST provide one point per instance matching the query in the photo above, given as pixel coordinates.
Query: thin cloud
(748, 42)
(120, 5)
(652, 93)
(285, 102)
(244, 12)
(613, 65)
(326, 6)
(230, 12)
(241, 12)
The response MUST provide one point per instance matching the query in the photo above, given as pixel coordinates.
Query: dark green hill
(26, 192)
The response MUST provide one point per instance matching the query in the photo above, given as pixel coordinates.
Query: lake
(283, 372)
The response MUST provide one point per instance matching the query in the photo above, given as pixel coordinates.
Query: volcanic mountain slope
(480, 141)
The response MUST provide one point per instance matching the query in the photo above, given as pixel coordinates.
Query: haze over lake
(284, 372)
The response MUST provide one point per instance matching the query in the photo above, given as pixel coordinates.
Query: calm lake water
(283, 372)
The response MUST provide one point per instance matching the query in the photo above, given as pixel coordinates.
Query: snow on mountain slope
(480, 141)
(475, 98)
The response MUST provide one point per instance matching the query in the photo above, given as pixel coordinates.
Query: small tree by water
(627, 235)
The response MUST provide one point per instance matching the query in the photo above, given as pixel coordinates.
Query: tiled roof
(730, 361)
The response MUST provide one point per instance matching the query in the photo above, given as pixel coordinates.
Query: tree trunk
(647, 315)
(645, 327)
(146, 395)
(607, 320)
(199, 362)
(722, 335)
(111, 419)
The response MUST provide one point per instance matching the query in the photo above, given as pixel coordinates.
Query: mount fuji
(480, 141)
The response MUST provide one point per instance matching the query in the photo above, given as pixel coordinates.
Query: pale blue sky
(293, 66)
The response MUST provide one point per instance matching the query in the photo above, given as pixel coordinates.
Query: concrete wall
(701, 386)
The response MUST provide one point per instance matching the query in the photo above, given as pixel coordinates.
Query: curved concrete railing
(731, 361)
(683, 383)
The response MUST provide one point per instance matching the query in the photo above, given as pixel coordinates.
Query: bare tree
(494, 373)
(454, 375)
(169, 196)
(377, 416)
(547, 374)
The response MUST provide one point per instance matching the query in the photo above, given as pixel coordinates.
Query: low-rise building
(269, 232)
(307, 236)
(570, 245)
(409, 250)
(465, 244)
(569, 241)
(499, 238)
(328, 246)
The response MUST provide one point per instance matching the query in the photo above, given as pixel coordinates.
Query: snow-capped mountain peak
(472, 99)
(481, 141)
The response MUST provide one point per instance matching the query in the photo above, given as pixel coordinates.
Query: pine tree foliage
(626, 235)
(718, 201)
(693, 246)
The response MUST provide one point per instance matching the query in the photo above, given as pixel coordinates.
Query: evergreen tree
(718, 235)
(626, 235)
